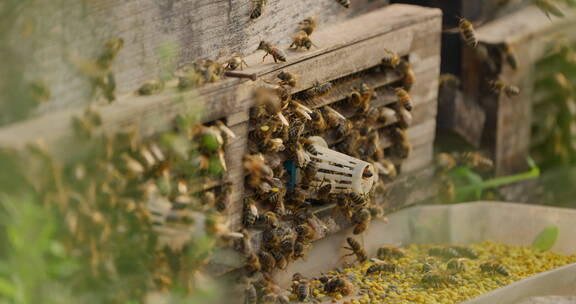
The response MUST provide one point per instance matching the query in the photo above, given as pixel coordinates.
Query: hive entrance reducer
(346, 173)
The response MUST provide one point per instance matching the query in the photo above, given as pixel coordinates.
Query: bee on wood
(338, 285)
(390, 59)
(151, 87)
(305, 232)
(409, 77)
(249, 213)
(361, 98)
(403, 98)
(466, 252)
(250, 295)
(258, 9)
(494, 268)
(467, 32)
(476, 161)
(402, 146)
(344, 3)
(498, 87)
(344, 128)
(389, 252)
(455, 266)
(381, 267)
(252, 264)
(446, 252)
(509, 56)
(356, 249)
(308, 25)
(235, 62)
(276, 54)
(287, 78)
(362, 218)
(267, 261)
(301, 41)
(333, 118)
(301, 110)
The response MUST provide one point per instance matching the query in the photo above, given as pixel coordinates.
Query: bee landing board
(528, 33)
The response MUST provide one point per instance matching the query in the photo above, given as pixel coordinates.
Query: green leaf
(546, 238)
(7, 288)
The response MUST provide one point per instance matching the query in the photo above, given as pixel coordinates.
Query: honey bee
(357, 199)
(387, 252)
(356, 249)
(287, 78)
(308, 146)
(494, 268)
(302, 291)
(455, 266)
(301, 40)
(276, 54)
(437, 279)
(466, 252)
(344, 128)
(409, 77)
(274, 145)
(467, 32)
(362, 218)
(270, 219)
(267, 261)
(333, 117)
(381, 267)
(445, 162)
(235, 62)
(257, 169)
(401, 144)
(447, 192)
(252, 264)
(258, 8)
(151, 87)
(390, 59)
(338, 285)
(404, 117)
(250, 295)
(499, 87)
(476, 161)
(386, 115)
(318, 124)
(308, 25)
(249, 213)
(403, 98)
(446, 252)
(325, 188)
(276, 198)
(344, 3)
(305, 232)
(300, 248)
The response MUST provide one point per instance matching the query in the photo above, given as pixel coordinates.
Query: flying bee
(455, 266)
(344, 3)
(338, 285)
(445, 162)
(287, 78)
(258, 9)
(257, 170)
(235, 62)
(381, 267)
(467, 32)
(388, 252)
(409, 77)
(390, 59)
(356, 249)
(249, 213)
(476, 161)
(494, 268)
(499, 87)
(267, 261)
(403, 98)
(276, 54)
(151, 87)
(250, 295)
(252, 264)
(362, 218)
(308, 25)
(270, 219)
(301, 41)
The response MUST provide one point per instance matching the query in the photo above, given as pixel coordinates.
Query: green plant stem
(501, 181)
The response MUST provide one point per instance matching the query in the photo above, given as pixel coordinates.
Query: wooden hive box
(528, 32)
(343, 49)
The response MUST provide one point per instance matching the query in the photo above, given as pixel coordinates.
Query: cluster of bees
(281, 186)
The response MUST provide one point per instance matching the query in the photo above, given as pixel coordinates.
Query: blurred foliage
(96, 229)
(546, 239)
